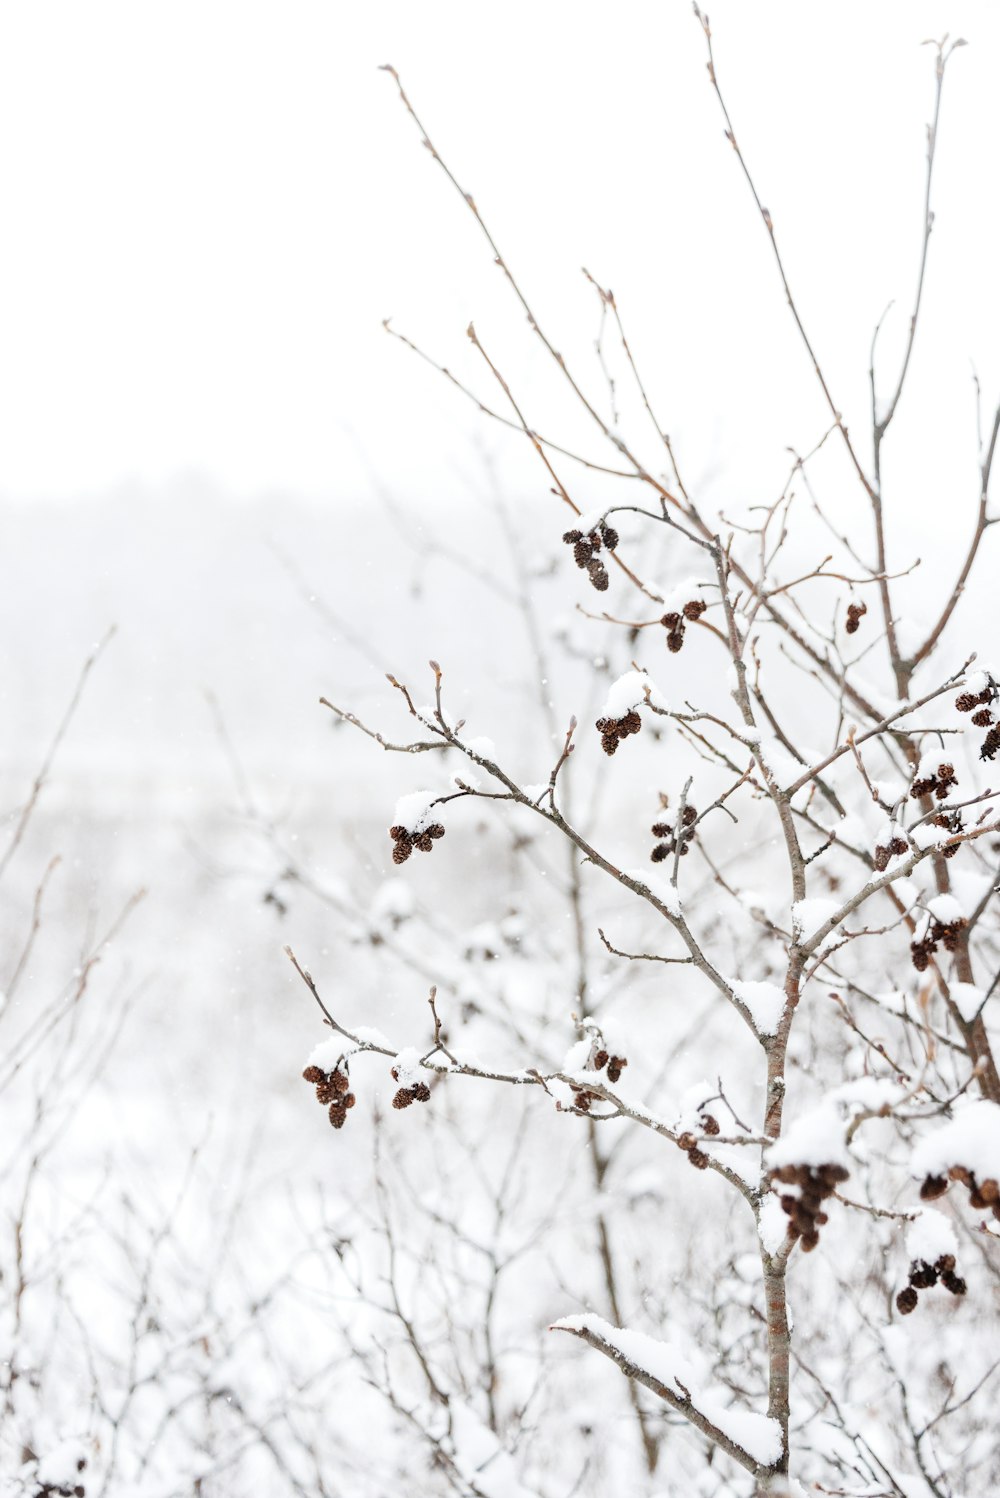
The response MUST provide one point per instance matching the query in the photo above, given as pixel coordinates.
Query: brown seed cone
(833, 1175)
(675, 641)
(631, 723)
(435, 830)
(698, 1159)
(401, 852)
(582, 552)
(610, 536)
(989, 1190)
(809, 1241)
(959, 1173)
(945, 1264)
(966, 701)
(403, 1098)
(906, 1301)
(983, 718)
(601, 1060)
(339, 1080)
(899, 847)
(659, 853)
(690, 816)
(922, 1276)
(422, 1093)
(314, 1074)
(671, 621)
(694, 609)
(990, 744)
(686, 1141)
(710, 1124)
(349, 1099)
(662, 829)
(932, 1188)
(600, 580)
(424, 842)
(400, 834)
(920, 956)
(954, 1283)
(571, 537)
(594, 537)
(614, 1072)
(881, 858)
(609, 743)
(337, 1115)
(325, 1093)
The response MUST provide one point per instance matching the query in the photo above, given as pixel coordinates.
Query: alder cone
(906, 1301)
(933, 1187)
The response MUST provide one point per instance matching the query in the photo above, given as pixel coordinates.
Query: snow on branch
(673, 1373)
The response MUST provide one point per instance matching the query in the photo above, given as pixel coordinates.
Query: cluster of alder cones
(895, 848)
(689, 1144)
(586, 549)
(613, 730)
(63, 1489)
(583, 1098)
(333, 1090)
(924, 1276)
(945, 932)
(804, 1208)
(673, 622)
(942, 780)
(952, 822)
(406, 840)
(982, 1194)
(410, 1092)
(855, 614)
(672, 838)
(980, 705)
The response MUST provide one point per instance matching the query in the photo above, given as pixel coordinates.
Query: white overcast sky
(209, 207)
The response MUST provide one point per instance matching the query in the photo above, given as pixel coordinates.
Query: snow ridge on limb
(753, 1440)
